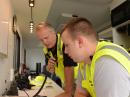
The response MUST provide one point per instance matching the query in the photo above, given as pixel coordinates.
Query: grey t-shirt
(111, 79)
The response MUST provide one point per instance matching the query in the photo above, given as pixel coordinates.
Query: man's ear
(80, 41)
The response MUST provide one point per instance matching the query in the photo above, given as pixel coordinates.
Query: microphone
(53, 73)
(54, 59)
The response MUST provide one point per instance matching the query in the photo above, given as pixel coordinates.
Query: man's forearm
(69, 80)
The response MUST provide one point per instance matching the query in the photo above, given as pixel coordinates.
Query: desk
(51, 89)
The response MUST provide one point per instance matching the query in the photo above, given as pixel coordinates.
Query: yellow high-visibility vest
(104, 48)
(59, 70)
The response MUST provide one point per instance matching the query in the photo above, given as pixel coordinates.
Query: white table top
(51, 89)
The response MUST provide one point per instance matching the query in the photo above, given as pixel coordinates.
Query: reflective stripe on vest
(109, 49)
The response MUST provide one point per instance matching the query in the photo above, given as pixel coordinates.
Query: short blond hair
(44, 24)
(82, 26)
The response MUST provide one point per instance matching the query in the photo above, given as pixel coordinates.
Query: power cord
(25, 92)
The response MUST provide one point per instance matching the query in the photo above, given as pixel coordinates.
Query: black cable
(41, 87)
(26, 92)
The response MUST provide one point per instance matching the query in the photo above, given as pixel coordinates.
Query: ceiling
(57, 12)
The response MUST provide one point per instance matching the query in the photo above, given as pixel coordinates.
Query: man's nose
(44, 41)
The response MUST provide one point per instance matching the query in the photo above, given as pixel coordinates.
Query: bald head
(46, 34)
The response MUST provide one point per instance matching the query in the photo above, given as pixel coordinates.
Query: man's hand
(64, 95)
(81, 92)
(51, 65)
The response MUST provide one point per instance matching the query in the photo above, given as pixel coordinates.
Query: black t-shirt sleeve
(67, 60)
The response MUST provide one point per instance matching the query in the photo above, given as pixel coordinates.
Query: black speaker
(38, 68)
(120, 14)
(22, 82)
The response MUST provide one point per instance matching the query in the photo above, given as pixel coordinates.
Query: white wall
(6, 63)
(33, 56)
